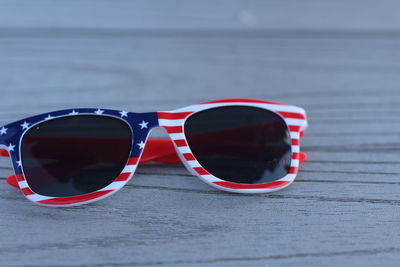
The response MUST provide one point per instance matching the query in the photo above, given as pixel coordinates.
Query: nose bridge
(141, 124)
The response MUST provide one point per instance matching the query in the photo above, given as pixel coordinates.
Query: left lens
(75, 155)
(240, 144)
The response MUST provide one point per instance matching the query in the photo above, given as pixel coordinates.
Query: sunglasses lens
(75, 155)
(240, 144)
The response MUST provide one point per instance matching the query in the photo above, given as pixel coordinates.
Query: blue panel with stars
(140, 123)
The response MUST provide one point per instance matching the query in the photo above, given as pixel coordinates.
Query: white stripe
(288, 178)
(193, 163)
(177, 136)
(114, 186)
(184, 149)
(23, 184)
(163, 122)
(295, 135)
(284, 108)
(36, 197)
(295, 163)
(129, 168)
(295, 149)
(295, 122)
(210, 178)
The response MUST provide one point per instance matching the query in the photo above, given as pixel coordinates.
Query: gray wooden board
(343, 208)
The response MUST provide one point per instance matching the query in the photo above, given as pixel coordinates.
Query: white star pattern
(49, 117)
(123, 114)
(141, 145)
(3, 131)
(25, 125)
(143, 125)
(99, 112)
(10, 147)
(73, 113)
(19, 163)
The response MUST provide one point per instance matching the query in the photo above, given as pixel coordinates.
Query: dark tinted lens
(240, 144)
(75, 155)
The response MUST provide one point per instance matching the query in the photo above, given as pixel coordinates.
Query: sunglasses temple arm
(160, 150)
(303, 155)
(4, 153)
(11, 180)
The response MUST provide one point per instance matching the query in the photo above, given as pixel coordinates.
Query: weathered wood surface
(343, 210)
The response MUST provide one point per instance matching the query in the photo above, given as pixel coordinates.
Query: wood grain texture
(343, 209)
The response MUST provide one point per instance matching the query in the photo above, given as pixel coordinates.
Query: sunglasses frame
(141, 125)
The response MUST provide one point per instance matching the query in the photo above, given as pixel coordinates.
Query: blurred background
(152, 55)
(337, 59)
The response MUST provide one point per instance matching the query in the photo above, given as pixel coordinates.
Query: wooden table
(339, 60)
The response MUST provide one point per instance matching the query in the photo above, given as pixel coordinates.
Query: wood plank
(148, 226)
(316, 74)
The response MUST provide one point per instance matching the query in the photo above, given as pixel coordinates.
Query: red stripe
(292, 170)
(4, 153)
(292, 115)
(295, 156)
(294, 128)
(180, 142)
(173, 116)
(123, 177)
(174, 129)
(73, 200)
(27, 191)
(243, 100)
(20, 177)
(132, 161)
(271, 185)
(189, 156)
(201, 171)
(295, 142)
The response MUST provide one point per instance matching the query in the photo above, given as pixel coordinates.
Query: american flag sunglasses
(77, 156)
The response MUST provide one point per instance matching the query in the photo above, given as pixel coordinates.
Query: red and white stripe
(173, 123)
(294, 117)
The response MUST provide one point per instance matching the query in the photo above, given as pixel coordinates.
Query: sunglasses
(72, 157)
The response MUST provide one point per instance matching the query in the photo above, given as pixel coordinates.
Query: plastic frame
(141, 124)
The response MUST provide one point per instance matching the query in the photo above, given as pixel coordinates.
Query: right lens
(240, 144)
(75, 155)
